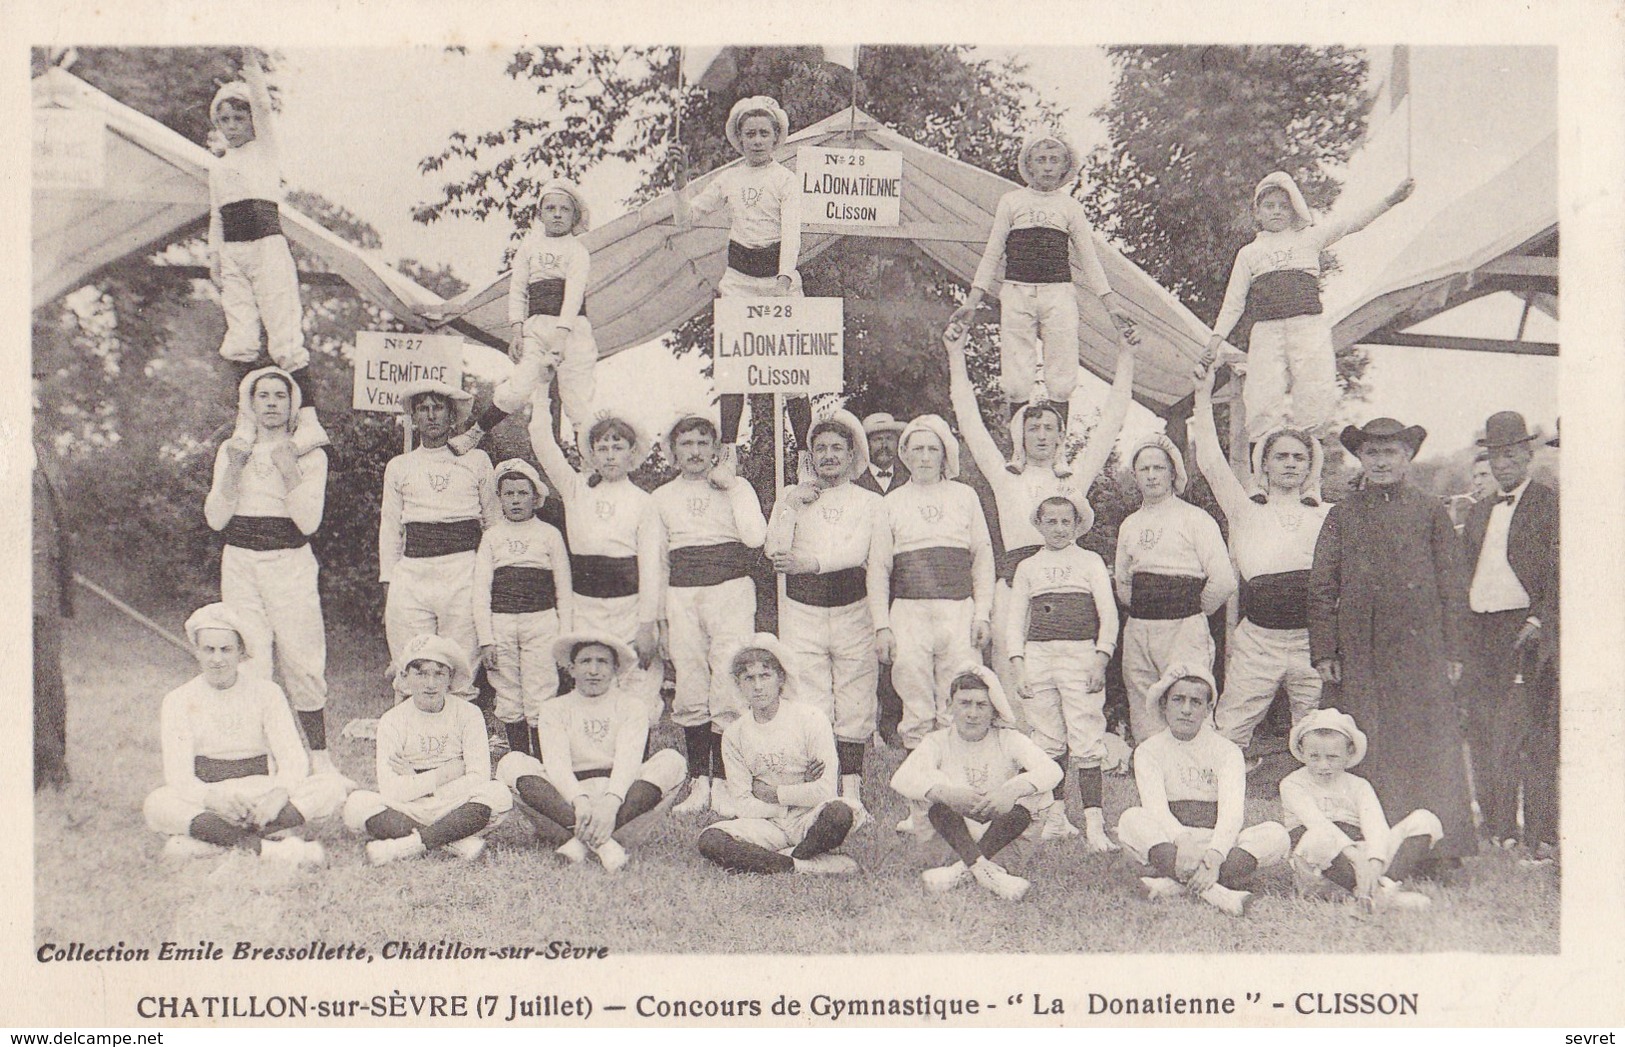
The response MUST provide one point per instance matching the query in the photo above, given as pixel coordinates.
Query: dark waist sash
(442, 539)
(937, 573)
(1283, 294)
(522, 590)
(1004, 568)
(210, 770)
(1276, 601)
(753, 261)
(834, 589)
(264, 533)
(245, 220)
(694, 566)
(546, 298)
(1165, 597)
(1195, 814)
(1351, 831)
(1038, 256)
(604, 577)
(1062, 616)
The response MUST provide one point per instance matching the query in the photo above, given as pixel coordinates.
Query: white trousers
(1290, 359)
(618, 616)
(1317, 850)
(775, 834)
(432, 594)
(525, 674)
(1259, 661)
(834, 663)
(316, 796)
(274, 592)
(426, 810)
(1149, 648)
(571, 354)
(259, 284)
(665, 770)
(1061, 715)
(735, 284)
(933, 644)
(705, 625)
(1139, 832)
(1001, 650)
(1030, 314)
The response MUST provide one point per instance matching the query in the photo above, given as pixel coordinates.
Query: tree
(1192, 130)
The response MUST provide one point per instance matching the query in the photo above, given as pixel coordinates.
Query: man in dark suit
(1512, 546)
(885, 473)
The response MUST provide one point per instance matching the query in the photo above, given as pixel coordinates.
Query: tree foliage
(1192, 130)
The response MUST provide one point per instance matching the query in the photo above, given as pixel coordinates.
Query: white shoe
(1094, 831)
(382, 852)
(468, 848)
(944, 879)
(1227, 901)
(466, 440)
(852, 796)
(612, 856)
(1056, 824)
(826, 865)
(293, 851)
(573, 851)
(993, 876)
(698, 800)
(191, 847)
(309, 434)
(1391, 895)
(1157, 888)
(321, 762)
(908, 825)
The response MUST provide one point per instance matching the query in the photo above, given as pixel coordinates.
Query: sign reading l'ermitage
(70, 149)
(853, 187)
(778, 345)
(387, 360)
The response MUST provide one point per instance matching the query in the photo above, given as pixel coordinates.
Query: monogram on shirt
(604, 509)
(1149, 537)
(1204, 780)
(832, 513)
(517, 546)
(439, 481)
(749, 195)
(550, 260)
(1056, 575)
(597, 728)
(433, 746)
(1036, 216)
(770, 763)
(977, 777)
(698, 505)
(930, 513)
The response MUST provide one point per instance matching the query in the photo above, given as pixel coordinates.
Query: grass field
(100, 877)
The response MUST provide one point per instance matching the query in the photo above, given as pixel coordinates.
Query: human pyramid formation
(884, 562)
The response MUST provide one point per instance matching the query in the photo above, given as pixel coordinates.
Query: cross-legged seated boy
(592, 779)
(979, 783)
(1193, 793)
(434, 764)
(781, 766)
(235, 773)
(1336, 823)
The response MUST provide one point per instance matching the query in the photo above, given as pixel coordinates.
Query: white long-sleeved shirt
(251, 171)
(249, 718)
(432, 485)
(838, 530)
(614, 518)
(1288, 249)
(1273, 538)
(260, 490)
(543, 257)
(1068, 570)
(429, 741)
(1028, 208)
(764, 204)
(581, 734)
(1348, 798)
(530, 543)
(690, 513)
(1208, 768)
(1174, 537)
(780, 753)
(945, 514)
(999, 756)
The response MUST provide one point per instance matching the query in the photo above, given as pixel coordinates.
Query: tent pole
(852, 127)
(778, 493)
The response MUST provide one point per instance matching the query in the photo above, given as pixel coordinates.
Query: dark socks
(465, 821)
(733, 408)
(536, 742)
(1162, 857)
(1005, 829)
(799, 408)
(314, 724)
(518, 737)
(1090, 787)
(850, 757)
(950, 825)
(211, 828)
(739, 856)
(1409, 857)
(390, 824)
(1060, 787)
(715, 744)
(545, 800)
(641, 798)
(287, 818)
(1238, 868)
(827, 832)
(1341, 872)
(697, 746)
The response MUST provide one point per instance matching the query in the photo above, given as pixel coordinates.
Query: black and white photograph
(785, 505)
